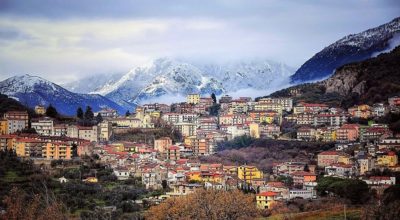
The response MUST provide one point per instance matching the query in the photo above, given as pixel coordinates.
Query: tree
(286, 179)
(51, 111)
(74, 149)
(356, 191)
(89, 115)
(214, 109)
(79, 113)
(214, 98)
(206, 204)
(128, 113)
(164, 184)
(19, 206)
(99, 118)
(306, 168)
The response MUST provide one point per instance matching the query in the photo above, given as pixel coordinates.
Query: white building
(121, 174)
(15, 125)
(43, 126)
(340, 170)
(302, 193)
(381, 180)
(105, 130)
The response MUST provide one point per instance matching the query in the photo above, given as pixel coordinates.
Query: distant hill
(32, 90)
(9, 104)
(351, 48)
(370, 81)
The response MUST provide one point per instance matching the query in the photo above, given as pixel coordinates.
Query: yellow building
(126, 122)
(189, 140)
(56, 151)
(193, 99)
(247, 173)
(194, 176)
(266, 200)
(27, 147)
(21, 149)
(389, 160)
(3, 126)
(91, 180)
(329, 136)
(7, 142)
(147, 121)
(40, 110)
(254, 130)
(344, 158)
(155, 114)
(139, 112)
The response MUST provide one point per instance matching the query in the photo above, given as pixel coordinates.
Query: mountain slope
(92, 83)
(370, 81)
(255, 74)
(178, 79)
(352, 48)
(33, 90)
(172, 78)
(9, 104)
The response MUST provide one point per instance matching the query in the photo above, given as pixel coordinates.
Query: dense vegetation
(206, 204)
(74, 198)
(263, 152)
(9, 104)
(148, 135)
(354, 190)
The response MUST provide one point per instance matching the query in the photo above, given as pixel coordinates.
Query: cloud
(65, 40)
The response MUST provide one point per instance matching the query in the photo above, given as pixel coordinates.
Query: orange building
(28, 147)
(55, 151)
(173, 153)
(301, 177)
(348, 132)
(3, 126)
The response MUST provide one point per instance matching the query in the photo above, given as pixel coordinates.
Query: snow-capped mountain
(178, 78)
(352, 48)
(33, 90)
(92, 83)
(255, 74)
(173, 78)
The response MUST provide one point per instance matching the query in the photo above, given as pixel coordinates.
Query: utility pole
(345, 217)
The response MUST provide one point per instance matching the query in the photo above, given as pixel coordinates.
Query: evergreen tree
(128, 113)
(99, 118)
(79, 113)
(214, 98)
(51, 111)
(89, 115)
(74, 149)
(306, 168)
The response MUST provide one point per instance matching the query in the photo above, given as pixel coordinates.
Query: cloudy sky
(63, 40)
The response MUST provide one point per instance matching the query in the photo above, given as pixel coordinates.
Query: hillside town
(196, 127)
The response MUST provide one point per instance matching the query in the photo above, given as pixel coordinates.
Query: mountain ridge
(169, 77)
(351, 48)
(33, 90)
(366, 82)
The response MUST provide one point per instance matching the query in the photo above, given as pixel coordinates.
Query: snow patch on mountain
(351, 48)
(165, 77)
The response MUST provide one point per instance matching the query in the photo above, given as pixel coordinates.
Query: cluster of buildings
(359, 148)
